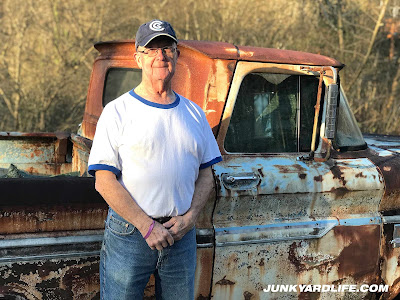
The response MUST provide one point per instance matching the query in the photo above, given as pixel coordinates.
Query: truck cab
(300, 199)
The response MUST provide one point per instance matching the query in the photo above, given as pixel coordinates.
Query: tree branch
(371, 44)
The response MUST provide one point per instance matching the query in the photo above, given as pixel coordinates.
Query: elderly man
(151, 156)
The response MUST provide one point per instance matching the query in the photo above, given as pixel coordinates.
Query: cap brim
(152, 37)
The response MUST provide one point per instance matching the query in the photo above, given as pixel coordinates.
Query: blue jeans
(126, 263)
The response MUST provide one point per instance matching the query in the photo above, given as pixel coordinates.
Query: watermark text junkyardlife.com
(324, 288)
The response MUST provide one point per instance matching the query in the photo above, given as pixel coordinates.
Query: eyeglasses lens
(168, 51)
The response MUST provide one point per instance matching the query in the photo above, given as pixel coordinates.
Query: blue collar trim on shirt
(154, 104)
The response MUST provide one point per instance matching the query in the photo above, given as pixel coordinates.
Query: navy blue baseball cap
(153, 29)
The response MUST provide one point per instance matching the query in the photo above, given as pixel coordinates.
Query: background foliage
(46, 48)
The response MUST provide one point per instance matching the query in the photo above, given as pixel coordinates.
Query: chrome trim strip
(72, 255)
(47, 241)
(264, 241)
(390, 219)
(245, 229)
(227, 236)
(205, 245)
(70, 240)
(17, 259)
(361, 221)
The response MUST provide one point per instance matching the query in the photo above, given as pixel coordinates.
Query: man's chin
(164, 76)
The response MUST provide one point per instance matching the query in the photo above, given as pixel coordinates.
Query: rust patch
(390, 169)
(387, 168)
(283, 169)
(225, 281)
(391, 203)
(276, 188)
(261, 264)
(338, 174)
(83, 281)
(37, 152)
(55, 218)
(309, 296)
(361, 175)
(318, 178)
(299, 168)
(360, 254)
(339, 192)
(247, 295)
(56, 279)
(204, 272)
(359, 257)
(231, 66)
(302, 176)
(296, 168)
(300, 267)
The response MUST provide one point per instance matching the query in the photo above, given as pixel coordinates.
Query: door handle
(240, 181)
(233, 178)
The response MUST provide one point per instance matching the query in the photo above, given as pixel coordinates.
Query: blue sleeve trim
(93, 168)
(211, 162)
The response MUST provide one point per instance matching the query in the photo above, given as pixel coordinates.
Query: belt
(162, 220)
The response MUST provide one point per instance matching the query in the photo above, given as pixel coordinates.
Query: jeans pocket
(119, 225)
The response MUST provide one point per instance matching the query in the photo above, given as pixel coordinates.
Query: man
(151, 156)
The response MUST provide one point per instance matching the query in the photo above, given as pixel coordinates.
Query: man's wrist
(144, 225)
(150, 230)
(191, 216)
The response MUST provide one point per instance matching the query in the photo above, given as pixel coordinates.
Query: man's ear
(138, 59)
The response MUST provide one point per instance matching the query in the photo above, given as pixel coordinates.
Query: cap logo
(156, 26)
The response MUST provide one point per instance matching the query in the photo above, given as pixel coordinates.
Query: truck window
(348, 134)
(120, 81)
(273, 113)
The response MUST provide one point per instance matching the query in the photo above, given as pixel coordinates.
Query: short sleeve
(104, 152)
(211, 155)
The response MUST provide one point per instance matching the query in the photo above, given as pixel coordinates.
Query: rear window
(120, 81)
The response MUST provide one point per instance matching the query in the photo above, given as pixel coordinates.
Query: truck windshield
(348, 134)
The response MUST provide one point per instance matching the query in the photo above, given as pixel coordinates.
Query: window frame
(244, 68)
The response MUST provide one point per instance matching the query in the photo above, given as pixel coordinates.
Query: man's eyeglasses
(151, 52)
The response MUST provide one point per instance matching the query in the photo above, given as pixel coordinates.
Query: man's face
(161, 66)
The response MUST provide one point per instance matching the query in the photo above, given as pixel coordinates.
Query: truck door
(280, 218)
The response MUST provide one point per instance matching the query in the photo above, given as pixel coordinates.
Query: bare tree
(46, 49)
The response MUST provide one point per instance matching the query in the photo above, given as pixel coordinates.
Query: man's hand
(159, 237)
(179, 226)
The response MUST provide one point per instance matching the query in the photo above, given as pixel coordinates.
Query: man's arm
(122, 203)
(180, 225)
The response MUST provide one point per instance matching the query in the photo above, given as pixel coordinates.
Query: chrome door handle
(240, 181)
(233, 179)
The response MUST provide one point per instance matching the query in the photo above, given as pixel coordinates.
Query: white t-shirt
(155, 150)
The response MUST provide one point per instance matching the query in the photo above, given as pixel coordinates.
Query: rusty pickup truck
(302, 197)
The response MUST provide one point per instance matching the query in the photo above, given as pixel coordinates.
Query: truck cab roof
(222, 50)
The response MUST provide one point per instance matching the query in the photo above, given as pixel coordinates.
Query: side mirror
(331, 99)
